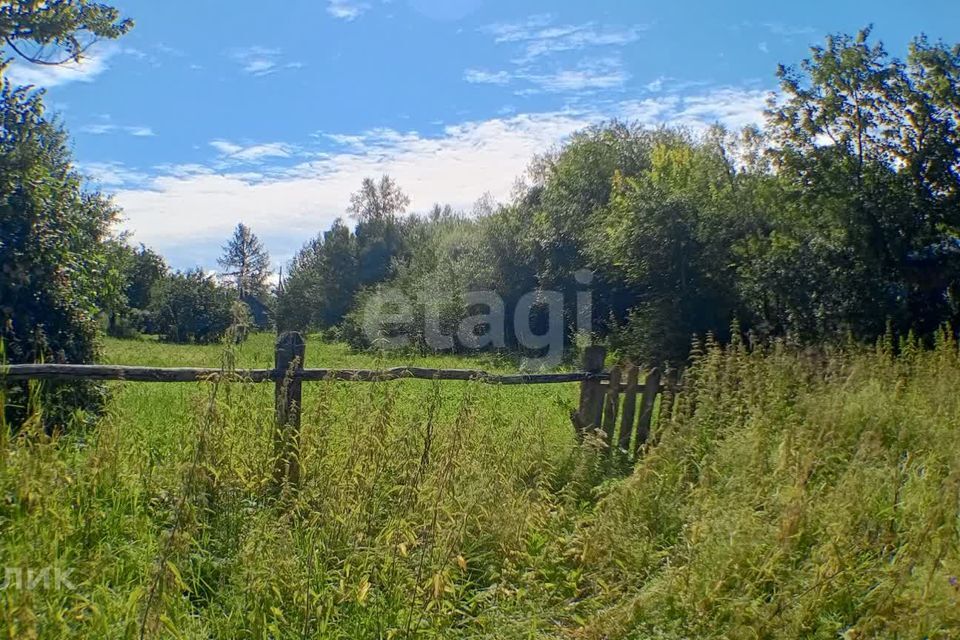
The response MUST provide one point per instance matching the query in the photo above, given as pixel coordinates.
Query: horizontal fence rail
(616, 404)
(68, 372)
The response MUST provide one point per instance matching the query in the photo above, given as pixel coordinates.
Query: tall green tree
(322, 281)
(145, 269)
(245, 263)
(53, 250)
(378, 200)
(866, 148)
(53, 233)
(377, 207)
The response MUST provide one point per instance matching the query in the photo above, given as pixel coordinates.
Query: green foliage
(839, 218)
(383, 200)
(53, 250)
(868, 156)
(55, 253)
(322, 281)
(191, 307)
(666, 234)
(139, 270)
(791, 495)
(60, 30)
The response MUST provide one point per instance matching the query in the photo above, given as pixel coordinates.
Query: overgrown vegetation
(792, 493)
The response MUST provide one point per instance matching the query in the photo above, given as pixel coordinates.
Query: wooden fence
(605, 396)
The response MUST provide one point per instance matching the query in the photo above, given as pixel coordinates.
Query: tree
(322, 283)
(246, 262)
(191, 307)
(58, 31)
(145, 269)
(53, 234)
(867, 149)
(53, 248)
(378, 201)
(138, 269)
(377, 206)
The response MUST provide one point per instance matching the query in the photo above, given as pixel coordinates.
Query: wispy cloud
(346, 9)
(112, 174)
(252, 153)
(103, 128)
(788, 31)
(480, 76)
(590, 75)
(261, 61)
(539, 37)
(780, 30)
(587, 76)
(541, 69)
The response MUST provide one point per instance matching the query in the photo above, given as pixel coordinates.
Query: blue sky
(209, 113)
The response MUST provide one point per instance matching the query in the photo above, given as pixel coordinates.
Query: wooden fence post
(289, 356)
(629, 407)
(590, 412)
(611, 407)
(650, 390)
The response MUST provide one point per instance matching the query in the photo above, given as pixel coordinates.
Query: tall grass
(789, 494)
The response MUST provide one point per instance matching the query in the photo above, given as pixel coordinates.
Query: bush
(191, 307)
(53, 252)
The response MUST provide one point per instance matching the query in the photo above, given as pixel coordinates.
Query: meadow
(789, 494)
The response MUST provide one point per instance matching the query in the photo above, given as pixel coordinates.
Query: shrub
(53, 252)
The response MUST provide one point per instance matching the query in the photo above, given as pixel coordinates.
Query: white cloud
(259, 67)
(607, 73)
(587, 76)
(252, 153)
(479, 76)
(538, 37)
(91, 65)
(102, 128)
(261, 61)
(346, 9)
(111, 174)
(733, 108)
(187, 210)
(763, 47)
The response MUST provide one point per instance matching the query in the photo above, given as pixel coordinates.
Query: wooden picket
(618, 392)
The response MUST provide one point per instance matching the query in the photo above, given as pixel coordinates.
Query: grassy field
(789, 495)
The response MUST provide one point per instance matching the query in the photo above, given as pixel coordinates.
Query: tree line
(837, 219)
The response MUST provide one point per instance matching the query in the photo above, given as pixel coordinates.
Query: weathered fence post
(590, 412)
(611, 407)
(629, 407)
(650, 390)
(290, 352)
